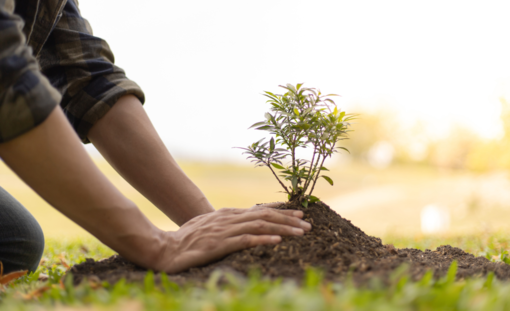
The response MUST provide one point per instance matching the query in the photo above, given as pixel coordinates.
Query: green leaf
(304, 203)
(257, 124)
(291, 88)
(324, 168)
(328, 179)
(343, 148)
(488, 282)
(212, 283)
(278, 166)
(294, 182)
(169, 286)
(265, 127)
(452, 272)
(255, 144)
(296, 111)
(427, 279)
(271, 145)
(149, 282)
(313, 199)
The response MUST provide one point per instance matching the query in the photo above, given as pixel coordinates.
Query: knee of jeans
(37, 247)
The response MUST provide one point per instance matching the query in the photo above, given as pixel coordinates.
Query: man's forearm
(127, 139)
(51, 160)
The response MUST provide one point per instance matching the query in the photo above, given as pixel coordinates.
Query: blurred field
(381, 202)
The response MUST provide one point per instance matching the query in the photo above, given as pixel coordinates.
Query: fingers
(271, 205)
(256, 208)
(271, 215)
(262, 227)
(281, 211)
(288, 212)
(244, 241)
(259, 207)
(231, 210)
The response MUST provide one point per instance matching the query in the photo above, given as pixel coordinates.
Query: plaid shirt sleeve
(81, 67)
(26, 96)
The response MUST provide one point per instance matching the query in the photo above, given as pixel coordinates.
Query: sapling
(301, 118)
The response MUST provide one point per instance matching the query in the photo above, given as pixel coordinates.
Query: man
(52, 67)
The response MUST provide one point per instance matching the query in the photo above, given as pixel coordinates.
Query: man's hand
(212, 236)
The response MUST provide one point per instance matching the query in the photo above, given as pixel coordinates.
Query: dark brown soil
(334, 245)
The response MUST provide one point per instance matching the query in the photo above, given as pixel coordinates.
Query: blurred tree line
(493, 154)
(380, 139)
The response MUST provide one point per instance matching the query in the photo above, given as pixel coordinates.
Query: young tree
(300, 118)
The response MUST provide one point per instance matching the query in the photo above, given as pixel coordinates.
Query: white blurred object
(380, 154)
(417, 150)
(434, 219)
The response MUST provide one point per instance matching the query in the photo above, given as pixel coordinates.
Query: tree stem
(269, 165)
(317, 176)
(293, 148)
(310, 177)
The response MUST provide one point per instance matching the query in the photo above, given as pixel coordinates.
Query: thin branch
(315, 167)
(317, 177)
(293, 153)
(310, 177)
(269, 165)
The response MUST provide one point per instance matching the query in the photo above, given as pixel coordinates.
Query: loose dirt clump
(334, 245)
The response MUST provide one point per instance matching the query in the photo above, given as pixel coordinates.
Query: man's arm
(51, 160)
(127, 139)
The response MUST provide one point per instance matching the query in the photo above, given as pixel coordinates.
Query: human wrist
(134, 237)
(147, 250)
(199, 206)
(161, 254)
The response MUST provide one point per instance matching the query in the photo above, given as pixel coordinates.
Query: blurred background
(430, 81)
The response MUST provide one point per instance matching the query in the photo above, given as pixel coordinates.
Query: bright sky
(204, 64)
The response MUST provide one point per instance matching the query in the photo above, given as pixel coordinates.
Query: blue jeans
(21, 237)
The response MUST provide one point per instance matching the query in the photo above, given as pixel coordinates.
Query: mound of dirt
(334, 245)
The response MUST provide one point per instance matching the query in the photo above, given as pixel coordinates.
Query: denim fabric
(21, 237)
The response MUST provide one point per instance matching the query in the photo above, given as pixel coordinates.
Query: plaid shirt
(48, 56)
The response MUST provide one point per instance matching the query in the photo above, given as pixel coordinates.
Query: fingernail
(298, 214)
(306, 226)
(276, 239)
(298, 231)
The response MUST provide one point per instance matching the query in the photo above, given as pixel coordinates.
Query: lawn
(256, 293)
(384, 203)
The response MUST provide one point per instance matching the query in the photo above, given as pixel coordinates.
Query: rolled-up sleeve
(26, 96)
(81, 67)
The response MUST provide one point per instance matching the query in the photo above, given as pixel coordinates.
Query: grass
(242, 186)
(256, 293)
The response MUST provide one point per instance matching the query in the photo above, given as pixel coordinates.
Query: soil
(334, 245)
